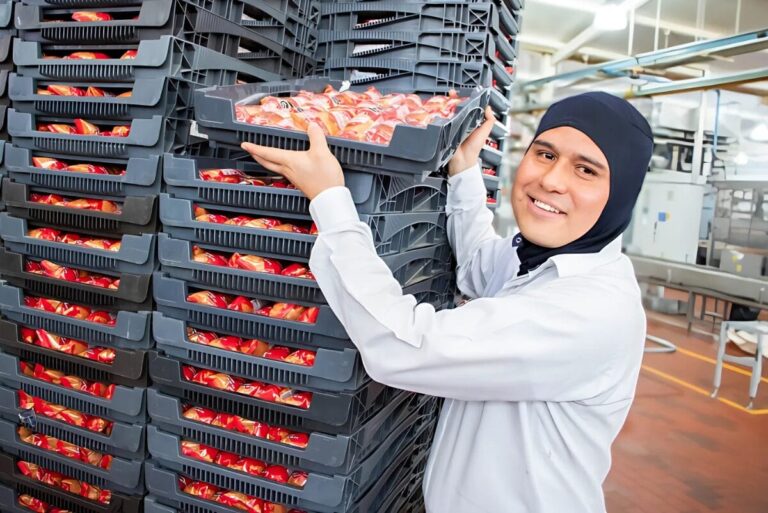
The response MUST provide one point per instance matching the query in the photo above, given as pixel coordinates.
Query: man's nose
(555, 178)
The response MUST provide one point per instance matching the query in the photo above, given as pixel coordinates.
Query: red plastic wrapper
(86, 16)
(33, 504)
(207, 257)
(47, 340)
(206, 297)
(67, 484)
(73, 382)
(199, 451)
(242, 425)
(232, 499)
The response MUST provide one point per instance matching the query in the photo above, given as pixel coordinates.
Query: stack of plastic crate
(249, 404)
(6, 66)
(80, 235)
(279, 36)
(427, 46)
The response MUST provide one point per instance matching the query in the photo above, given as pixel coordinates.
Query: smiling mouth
(544, 206)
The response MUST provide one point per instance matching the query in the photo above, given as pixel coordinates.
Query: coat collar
(571, 264)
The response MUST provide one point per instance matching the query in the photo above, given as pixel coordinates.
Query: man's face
(561, 187)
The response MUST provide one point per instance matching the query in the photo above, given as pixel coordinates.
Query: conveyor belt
(699, 277)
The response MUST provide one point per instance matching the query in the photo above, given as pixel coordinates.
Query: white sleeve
(493, 349)
(470, 231)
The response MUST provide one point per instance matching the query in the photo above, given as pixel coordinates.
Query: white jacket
(539, 372)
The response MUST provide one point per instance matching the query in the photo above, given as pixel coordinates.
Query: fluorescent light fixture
(611, 18)
(759, 133)
(742, 159)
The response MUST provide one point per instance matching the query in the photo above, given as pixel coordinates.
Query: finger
(481, 133)
(317, 139)
(272, 166)
(275, 155)
(489, 115)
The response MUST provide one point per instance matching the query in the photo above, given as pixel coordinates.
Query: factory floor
(682, 451)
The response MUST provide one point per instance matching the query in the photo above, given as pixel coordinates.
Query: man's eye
(546, 155)
(587, 171)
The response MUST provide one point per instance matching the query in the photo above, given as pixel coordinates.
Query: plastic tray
(492, 182)
(142, 175)
(322, 493)
(491, 157)
(132, 293)
(6, 14)
(329, 412)
(164, 57)
(6, 40)
(131, 330)
(372, 193)
(127, 440)
(129, 367)
(158, 96)
(175, 256)
(408, 16)
(325, 453)
(411, 75)
(163, 484)
(122, 476)
(136, 254)
(20, 484)
(127, 404)
(148, 137)
(194, 21)
(412, 150)
(392, 233)
(281, 11)
(445, 44)
(138, 212)
(334, 370)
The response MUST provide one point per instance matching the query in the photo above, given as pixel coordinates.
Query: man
(539, 370)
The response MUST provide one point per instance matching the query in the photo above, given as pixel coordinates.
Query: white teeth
(546, 207)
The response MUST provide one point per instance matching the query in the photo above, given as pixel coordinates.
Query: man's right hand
(467, 154)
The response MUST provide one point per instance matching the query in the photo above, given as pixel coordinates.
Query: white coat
(539, 371)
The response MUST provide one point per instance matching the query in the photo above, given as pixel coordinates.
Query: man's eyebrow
(589, 160)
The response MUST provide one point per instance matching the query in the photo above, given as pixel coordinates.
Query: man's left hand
(311, 171)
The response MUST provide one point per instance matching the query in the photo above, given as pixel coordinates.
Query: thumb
(317, 137)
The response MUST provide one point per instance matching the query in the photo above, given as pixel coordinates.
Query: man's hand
(469, 151)
(311, 171)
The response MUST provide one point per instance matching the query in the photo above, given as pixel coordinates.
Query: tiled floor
(683, 452)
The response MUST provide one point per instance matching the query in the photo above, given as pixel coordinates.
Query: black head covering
(626, 140)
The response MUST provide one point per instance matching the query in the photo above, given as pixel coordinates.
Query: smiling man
(539, 370)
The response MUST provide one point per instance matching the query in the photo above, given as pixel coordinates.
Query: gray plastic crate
(131, 329)
(332, 412)
(122, 476)
(408, 16)
(163, 484)
(492, 182)
(491, 157)
(6, 40)
(412, 75)
(148, 137)
(164, 57)
(175, 257)
(16, 481)
(137, 216)
(445, 44)
(158, 96)
(281, 11)
(198, 22)
(392, 233)
(131, 294)
(142, 175)
(127, 404)
(6, 14)
(372, 193)
(321, 493)
(334, 370)
(412, 150)
(171, 293)
(129, 367)
(126, 440)
(137, 254)
(325, 453)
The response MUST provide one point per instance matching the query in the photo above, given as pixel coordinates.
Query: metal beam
(676, 55)
(573, 46)
(700, 84)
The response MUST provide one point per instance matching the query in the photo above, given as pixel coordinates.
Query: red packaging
(241, 304)
(278, 353)
(276, 473)
(198, 451)
(206, 297)
(199, 414)
(86, 16)
(226, 459)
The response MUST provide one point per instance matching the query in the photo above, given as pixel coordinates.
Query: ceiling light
(759, 133)
(741, 159)
(610, 18)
